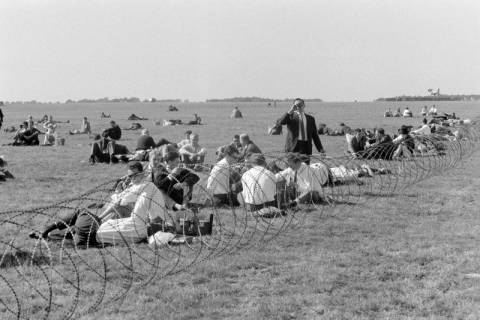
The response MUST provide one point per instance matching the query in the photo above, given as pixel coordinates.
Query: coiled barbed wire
(47, 279)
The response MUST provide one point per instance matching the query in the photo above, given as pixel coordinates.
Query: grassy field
(403, 256)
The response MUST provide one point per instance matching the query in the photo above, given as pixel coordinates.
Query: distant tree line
(101, 100)
(258, 99)
(443, 97)
(153, 100)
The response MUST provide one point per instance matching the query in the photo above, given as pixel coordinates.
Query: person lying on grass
(133, 116)
(80, 225)
(148, 206)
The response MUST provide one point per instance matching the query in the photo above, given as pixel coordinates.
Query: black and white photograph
(240, 159)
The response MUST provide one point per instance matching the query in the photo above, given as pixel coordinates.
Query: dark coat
(165, 184)
(250, 148)
(292, 122)
(114, 133)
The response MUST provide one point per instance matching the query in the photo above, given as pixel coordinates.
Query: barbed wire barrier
(83, 262)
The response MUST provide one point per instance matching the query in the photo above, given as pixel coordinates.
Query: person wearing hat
(114, 132)
(259, 185)
(301, 130)
(185, 141)
(302, 179)
(148, 206)
(221, 182)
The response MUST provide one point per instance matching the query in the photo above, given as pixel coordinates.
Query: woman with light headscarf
(148, 205)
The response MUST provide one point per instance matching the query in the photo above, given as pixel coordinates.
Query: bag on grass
(160, 239)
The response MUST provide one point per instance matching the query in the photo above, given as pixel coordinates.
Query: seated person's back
(145, 141)
(114, 132)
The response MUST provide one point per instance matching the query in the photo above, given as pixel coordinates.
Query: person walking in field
(301, 130)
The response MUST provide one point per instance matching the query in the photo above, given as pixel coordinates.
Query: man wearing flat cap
(301, 130)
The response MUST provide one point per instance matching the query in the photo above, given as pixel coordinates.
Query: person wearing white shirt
(185, 141)
(192, 153)
(407, 113)
(219, 182)
(307, 183)
(259, 185)
(148, 206)
(424, 129)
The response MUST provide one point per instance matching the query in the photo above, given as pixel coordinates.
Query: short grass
(397, 257)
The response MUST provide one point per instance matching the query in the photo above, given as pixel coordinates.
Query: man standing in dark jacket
(301, 130)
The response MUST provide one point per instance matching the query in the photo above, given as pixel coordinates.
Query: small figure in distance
(236, 113)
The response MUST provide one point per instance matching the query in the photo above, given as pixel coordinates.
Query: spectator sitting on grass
(107, 151)
(114, 132)
(192, 153)
(50, 133)
(222, 183)
(175, 182)
(248, 147)
(258, 184)
(302, 180)
(27, 136)
(148, 207)
(185, 141)
(84, 128)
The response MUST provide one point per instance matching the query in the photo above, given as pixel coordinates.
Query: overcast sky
(334, 50)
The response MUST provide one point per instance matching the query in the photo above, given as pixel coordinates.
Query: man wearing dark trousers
(301, 130)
